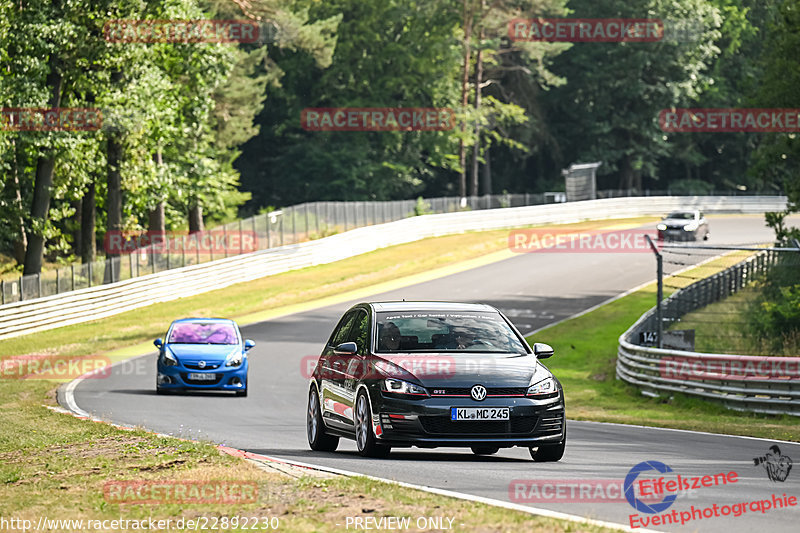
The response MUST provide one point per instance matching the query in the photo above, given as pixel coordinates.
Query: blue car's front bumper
(225, 378)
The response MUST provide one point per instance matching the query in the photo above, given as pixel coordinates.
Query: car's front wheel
(365, 438)
(550, 453)
(318, 440)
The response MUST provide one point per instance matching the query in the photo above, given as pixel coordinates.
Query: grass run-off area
(55, 466)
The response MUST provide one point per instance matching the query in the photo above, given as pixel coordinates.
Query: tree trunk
(195, 218)
(486, 178)
(76, 227)
(114, 177)
(43, 181)
(625, 174)
(476, 148)
(88, 240)
(156, 222)
(21, 244)
(462, 149)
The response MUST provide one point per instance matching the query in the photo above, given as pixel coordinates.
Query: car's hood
(448, 370)
(192, 353)
(678, 221)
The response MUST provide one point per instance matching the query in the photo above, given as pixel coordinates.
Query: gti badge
(478, 392)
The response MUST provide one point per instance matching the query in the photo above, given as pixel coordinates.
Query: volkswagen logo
(478, 393)
(201, 364)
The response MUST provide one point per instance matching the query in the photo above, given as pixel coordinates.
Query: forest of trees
(199, 132)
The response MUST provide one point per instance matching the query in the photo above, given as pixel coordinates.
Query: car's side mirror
(346, 348)
(542, 350)
(158, 343)
(248, 344)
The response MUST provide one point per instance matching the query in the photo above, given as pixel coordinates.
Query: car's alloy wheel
(484, 450)
(365, 440)
(318, 440)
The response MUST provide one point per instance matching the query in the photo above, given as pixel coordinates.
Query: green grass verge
(585, 362)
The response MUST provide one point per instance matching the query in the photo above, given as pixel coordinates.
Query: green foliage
(774, 317)
(422, 207)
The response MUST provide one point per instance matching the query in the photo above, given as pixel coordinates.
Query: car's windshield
(681, 215)
(203, 333)
(445, 331)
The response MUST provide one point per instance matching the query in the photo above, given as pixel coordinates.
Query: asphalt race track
(533, 290)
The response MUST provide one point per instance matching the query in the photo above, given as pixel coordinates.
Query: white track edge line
(462, 496)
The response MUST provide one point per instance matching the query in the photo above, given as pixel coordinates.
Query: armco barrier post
(660, 292)
(2, 292)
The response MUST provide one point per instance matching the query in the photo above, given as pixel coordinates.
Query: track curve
(534, 290)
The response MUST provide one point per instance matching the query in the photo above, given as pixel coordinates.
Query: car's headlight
(168, 359)
(542, 388)
(662, 227)
(690, 227)
(235, 360)
(398, 386)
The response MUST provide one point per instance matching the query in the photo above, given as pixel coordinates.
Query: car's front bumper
(677, 235)
(225, 378)
(426, 423)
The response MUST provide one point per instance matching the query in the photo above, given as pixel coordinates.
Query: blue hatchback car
(202, 354)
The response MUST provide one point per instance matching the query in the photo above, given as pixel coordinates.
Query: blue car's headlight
(168, 359)
(235, 360)
(542, 388)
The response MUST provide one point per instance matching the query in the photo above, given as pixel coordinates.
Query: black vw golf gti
(429, 374)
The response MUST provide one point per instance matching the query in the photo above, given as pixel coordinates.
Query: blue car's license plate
(202, 377)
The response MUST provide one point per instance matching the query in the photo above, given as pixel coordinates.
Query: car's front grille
(195, 366)
(490, 391)
(216, 380)
(442, 425)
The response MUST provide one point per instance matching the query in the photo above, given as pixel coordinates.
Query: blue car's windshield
(203, 333)
(446, 331)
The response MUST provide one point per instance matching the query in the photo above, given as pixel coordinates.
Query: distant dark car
(683, 226)
(401, 374)
(202, 354)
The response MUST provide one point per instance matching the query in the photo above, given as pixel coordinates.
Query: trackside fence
(761, 384)
(91, 303)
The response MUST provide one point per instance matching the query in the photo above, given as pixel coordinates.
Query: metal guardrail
(28, 316)
(760, 384)
(289, 225)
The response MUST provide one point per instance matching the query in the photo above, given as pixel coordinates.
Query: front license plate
(479, 413)
(202, 377)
